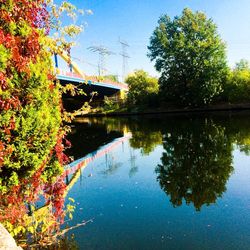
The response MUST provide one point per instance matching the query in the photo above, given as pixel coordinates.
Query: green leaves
(237, 85)
(5, 55)
(190, 56)
(141, 87)
(30, 121)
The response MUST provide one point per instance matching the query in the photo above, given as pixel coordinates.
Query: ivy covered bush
(31, 132)
(30, 121)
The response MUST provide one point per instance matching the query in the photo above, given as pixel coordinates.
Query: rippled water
(162, 182)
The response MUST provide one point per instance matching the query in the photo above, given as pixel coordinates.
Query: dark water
(163, 182)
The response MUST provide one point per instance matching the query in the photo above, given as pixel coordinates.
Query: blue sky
(135, 20)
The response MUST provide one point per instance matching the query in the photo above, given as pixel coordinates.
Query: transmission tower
(103, 52)
(125, 57)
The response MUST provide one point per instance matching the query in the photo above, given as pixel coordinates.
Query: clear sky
(135, 20)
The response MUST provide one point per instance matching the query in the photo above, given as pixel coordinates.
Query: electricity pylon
(102, 51)
(125, 57)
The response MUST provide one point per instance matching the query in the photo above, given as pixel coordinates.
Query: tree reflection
(197, 162)
(146, 140)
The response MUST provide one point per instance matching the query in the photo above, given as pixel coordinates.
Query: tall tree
(190, 55)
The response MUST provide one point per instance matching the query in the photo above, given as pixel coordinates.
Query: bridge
(100, 85)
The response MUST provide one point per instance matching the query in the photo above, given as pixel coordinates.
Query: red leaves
(10, 103)
(9, 41)
(31, 45)
(68, 143)
(14, 212)
(56, 197)
(22, 49)
(61, 144)
(4, 151)
(3, 83)
(2, 37)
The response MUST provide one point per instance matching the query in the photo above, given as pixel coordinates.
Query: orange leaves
(32, 45)
(10, 103)
(23, 50)
(4, 151)
(3, 83)
(5, 16)
(2, 37)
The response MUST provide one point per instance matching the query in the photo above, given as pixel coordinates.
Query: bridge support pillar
(56, 60)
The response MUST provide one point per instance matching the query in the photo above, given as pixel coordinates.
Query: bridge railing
(70, 74)
(94, 79)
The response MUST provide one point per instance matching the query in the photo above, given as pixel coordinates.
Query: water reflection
(111, 165)
(168, 161)
(196, 162)
(133, 167)
(88, 135)
(146, 140)
(192, 161)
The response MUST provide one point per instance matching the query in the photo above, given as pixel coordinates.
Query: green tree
(237, 86)
(190, 55)
(142, 87)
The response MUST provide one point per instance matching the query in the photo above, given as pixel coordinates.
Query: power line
(103, 52)
(94, 65)
(83, 61)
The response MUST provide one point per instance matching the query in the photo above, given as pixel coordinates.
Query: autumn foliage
(31, 135)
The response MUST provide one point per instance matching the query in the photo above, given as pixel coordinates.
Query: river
(162, 182)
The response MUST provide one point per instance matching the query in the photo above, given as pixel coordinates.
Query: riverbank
(161, 110)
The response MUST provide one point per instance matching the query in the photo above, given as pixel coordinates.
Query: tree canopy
(237, 86)
(141, 87)
(190, 56)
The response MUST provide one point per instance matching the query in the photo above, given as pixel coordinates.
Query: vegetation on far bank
(191, 59)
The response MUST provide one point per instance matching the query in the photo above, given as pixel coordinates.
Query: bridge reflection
(74, 169)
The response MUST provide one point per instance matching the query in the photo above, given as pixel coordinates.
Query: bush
(143, 89)
(110, 104)
(237, 87)
(30, 102)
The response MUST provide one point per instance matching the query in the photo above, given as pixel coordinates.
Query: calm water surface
(163, 182)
